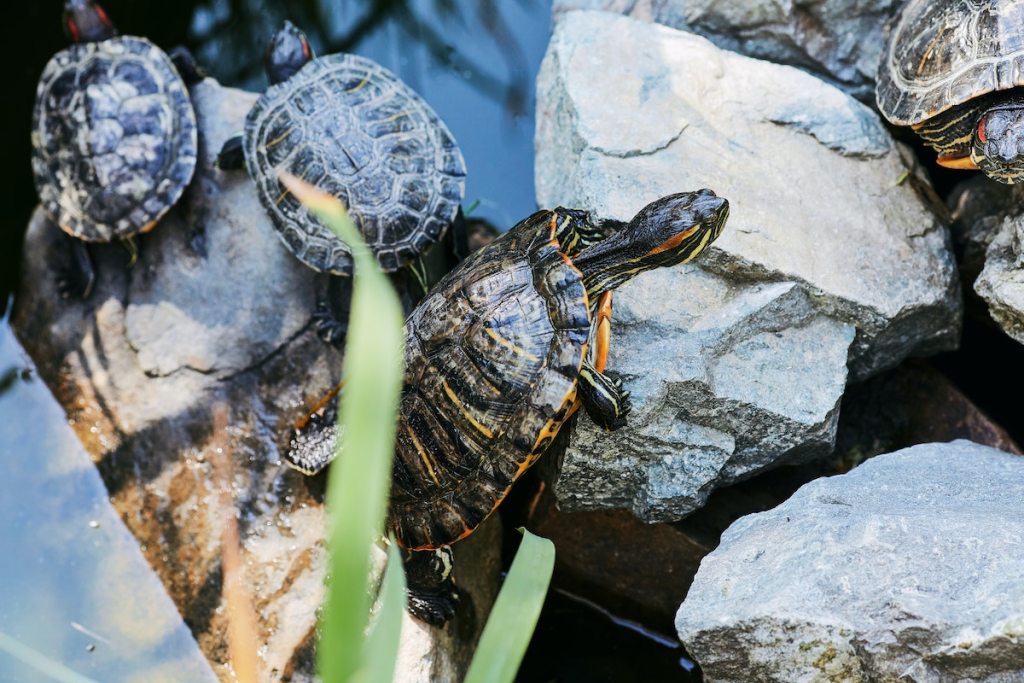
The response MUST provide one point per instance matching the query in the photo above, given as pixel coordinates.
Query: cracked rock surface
(216, 312)
(989, 229)
(831, 268)
(906, 568)
(839, 40)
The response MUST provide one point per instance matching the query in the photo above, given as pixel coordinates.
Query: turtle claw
(70, 285)
(433, 608)
(623, 406)
(76, 277)
(329, 328)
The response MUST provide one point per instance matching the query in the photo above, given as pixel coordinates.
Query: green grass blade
(381, 651)
(510, 626)
(357, 489)
(40, 662)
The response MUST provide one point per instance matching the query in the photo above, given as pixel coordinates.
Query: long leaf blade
(380, 653)
(514, 616)
(360, 478)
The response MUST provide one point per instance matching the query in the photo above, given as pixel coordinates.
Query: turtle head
(86, 22)
(668, 231)
(998, 147)
(288, 52)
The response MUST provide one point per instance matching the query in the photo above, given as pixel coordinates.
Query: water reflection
(474, 61)
(439, 27)
(76, 588)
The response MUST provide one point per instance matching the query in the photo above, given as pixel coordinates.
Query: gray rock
(906, 568)
(829, 261)
(215, 313)
(979, 207)
(1001, 282)
(839, 40)
(988, 229)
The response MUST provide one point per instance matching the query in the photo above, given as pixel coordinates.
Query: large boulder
(840, 40)
(979, 207)
(1001, 281)
(989, 231)
(216, 314)
(832, 266)
(906, 568)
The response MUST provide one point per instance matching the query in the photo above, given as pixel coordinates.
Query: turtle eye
(982, 134)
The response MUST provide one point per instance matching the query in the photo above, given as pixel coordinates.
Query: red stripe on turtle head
(86, 22)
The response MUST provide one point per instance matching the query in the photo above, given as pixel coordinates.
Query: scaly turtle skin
(114, 134)
(352, 128)
(498, 356)
(953, 71)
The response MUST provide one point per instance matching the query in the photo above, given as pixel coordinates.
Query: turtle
(114, 136)
(499, 354)
(355, 130)
(953, 71)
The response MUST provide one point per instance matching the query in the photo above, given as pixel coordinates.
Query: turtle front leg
(433, 595)
(232, 155)
(604, 398)
(78, 276)
(186, 65)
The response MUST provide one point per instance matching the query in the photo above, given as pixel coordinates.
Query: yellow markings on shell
(925, 57)
(279, 139)
(394, 117)
(466, 531)
(482, 428)
(361, 84)
(509, 345)
(549, 432)
(280, 197)
(424, 456)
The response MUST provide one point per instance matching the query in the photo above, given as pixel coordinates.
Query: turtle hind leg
(433, 595)
(603, 397)
(331, 321)
(232, 155)
(76, 278)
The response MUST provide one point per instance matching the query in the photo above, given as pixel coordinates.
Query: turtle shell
(114, 138)
(353, 129)
(492, 359)
(943, 54)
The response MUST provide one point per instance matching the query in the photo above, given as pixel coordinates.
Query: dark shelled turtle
(113, 134)
(953, 72)
(497, 357)
(352, 128)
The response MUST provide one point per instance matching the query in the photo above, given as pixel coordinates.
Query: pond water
(475, 62)
(77, 591)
